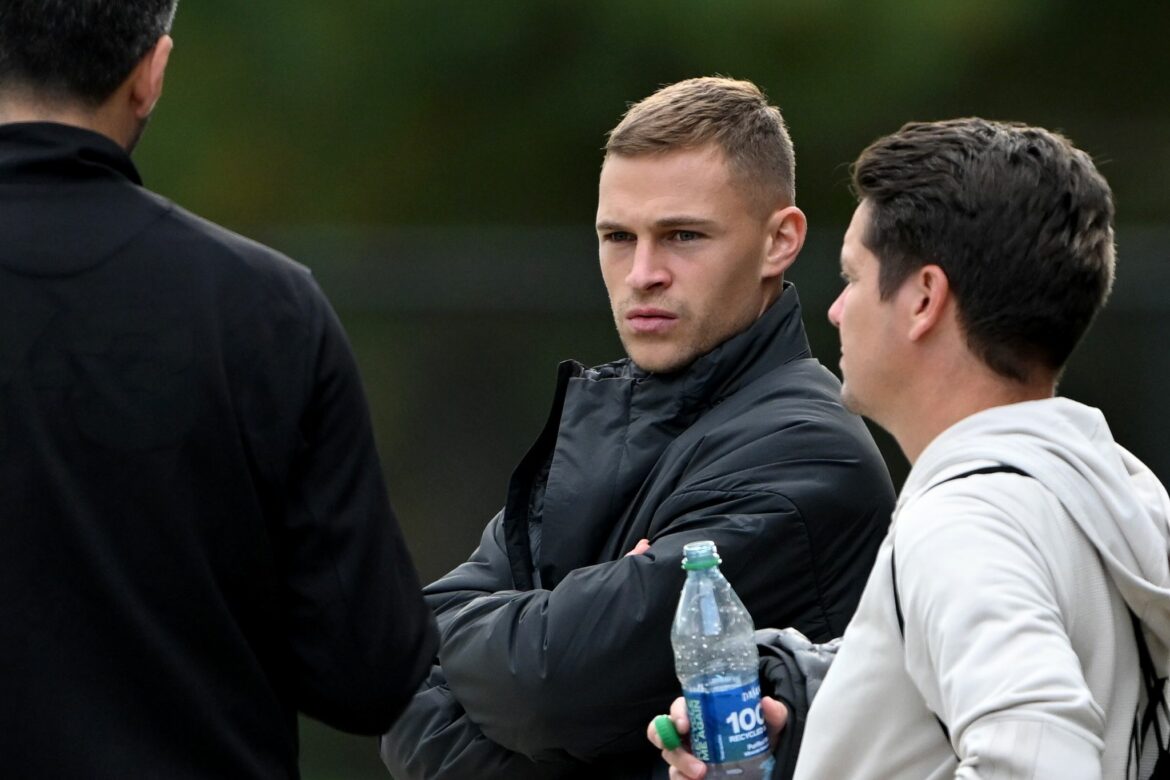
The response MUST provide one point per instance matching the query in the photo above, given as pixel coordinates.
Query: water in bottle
(716, 660)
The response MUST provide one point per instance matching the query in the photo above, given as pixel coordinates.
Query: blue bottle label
(726, 725)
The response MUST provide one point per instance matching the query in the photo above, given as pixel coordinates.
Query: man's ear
(786, 231)
(928, 293)
(147, 78)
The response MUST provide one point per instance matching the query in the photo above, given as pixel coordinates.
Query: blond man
(719, 424)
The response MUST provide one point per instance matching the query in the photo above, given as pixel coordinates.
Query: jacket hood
(1116, 501)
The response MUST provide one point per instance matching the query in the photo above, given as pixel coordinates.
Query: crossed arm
(534, 683)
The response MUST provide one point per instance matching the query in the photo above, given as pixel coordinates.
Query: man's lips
(650, 320)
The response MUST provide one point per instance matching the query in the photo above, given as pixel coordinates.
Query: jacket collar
(55, 152)
(69, 199)
(777, 337)
(613, 423)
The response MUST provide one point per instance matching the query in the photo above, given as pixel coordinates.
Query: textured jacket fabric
(555, 649)
(1016, 593)
(195, 538)
(792, 670)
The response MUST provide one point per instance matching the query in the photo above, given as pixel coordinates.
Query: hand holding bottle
(717, 664)
(674, 745)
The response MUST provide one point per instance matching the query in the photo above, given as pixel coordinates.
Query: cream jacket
(1017, 630)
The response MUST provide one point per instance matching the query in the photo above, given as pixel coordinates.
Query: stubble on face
(645, 349)
(696, 337)
(849, 400)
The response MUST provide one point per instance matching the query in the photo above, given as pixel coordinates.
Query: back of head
(76, 51)
(734, 115)
(1017, 217)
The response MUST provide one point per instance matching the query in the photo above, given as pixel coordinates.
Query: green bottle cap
(667, 732)
(700, 555)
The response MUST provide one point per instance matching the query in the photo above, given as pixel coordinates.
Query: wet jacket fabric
(1016, 590)
(195, 537)
(555, 649)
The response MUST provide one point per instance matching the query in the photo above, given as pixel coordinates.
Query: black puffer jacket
(555, 646)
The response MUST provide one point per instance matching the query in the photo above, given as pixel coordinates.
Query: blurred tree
(451, 112)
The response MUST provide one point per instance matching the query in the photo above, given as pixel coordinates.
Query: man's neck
(99, 120)
(947, 398)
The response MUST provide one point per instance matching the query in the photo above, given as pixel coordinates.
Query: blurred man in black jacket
(195, 538)
(720, 425)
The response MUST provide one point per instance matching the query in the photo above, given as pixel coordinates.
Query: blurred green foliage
(442, 112)
(436, 164)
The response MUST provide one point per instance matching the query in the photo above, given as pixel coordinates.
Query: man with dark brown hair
(720, 425)
(1017, 620)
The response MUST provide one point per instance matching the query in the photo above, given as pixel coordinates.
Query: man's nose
(835, 310)
(649, 269)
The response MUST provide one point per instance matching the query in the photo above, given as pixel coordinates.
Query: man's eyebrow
(680, 221)
(684, 220)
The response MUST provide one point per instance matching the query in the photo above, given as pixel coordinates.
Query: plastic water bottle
(717, 663)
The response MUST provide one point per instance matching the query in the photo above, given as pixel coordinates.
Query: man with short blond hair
(695, 113)
(719, 425)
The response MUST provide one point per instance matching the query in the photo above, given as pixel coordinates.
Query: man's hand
(683, 765)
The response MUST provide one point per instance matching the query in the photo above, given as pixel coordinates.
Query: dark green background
(435, 163)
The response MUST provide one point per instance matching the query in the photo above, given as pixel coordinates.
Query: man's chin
(658, 363)
(850, 401)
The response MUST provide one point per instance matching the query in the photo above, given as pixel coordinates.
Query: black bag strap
(994, 469)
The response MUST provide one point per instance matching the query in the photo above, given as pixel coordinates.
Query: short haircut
(77, 50)
(1018, 218)
(733, 114)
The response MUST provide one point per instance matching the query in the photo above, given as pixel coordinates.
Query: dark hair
(733, 114)
(77, 50)
(1017, 217)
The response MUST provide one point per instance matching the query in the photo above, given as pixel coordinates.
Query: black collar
(52, 152)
